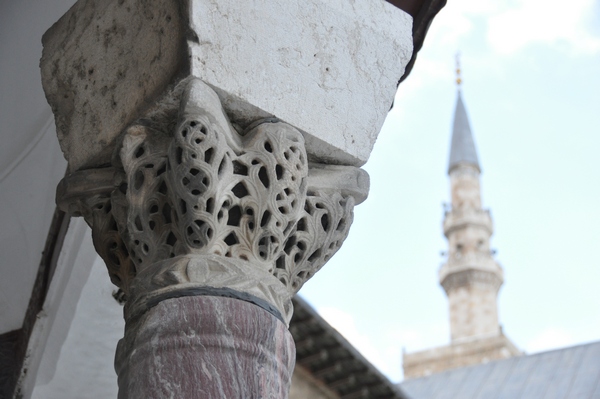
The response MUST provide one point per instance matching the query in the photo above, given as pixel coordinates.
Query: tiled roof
(570, 373)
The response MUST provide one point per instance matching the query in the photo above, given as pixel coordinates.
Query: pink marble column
(205, 347)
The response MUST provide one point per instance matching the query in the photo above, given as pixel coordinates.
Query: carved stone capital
(190, 206)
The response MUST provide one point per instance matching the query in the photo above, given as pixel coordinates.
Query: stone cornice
(475, 261)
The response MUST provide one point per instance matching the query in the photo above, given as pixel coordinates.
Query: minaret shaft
(465, 188)
(473, 311)
(470, 277)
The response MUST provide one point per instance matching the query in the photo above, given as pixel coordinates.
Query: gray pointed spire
(462, 148)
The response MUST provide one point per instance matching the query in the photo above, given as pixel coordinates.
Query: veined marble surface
(206, 347)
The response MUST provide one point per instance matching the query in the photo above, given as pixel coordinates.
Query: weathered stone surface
(472, 304)
(104, 64)
(328, 68)
(205, 347)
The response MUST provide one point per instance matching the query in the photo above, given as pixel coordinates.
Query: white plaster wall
(84, 369)
(26, 209)
(54, 320)
(305, 386)
(31, 163)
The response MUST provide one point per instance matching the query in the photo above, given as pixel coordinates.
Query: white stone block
(328, 67)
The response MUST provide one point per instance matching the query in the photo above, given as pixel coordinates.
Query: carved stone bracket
(191, 204)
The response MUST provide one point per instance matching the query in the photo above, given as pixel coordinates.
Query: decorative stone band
(471, 277)
(457, 219)
(463, 168)
(200, 205)
(471, 261)
(214, 275)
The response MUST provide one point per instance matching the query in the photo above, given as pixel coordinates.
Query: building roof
(462, 148)
(331, 359)
(564, 373)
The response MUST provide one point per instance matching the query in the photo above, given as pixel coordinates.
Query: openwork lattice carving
(204, 205)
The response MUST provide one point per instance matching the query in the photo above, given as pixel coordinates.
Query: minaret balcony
(460, 218)
(474, 261)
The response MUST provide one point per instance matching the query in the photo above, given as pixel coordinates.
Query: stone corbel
(200, 209)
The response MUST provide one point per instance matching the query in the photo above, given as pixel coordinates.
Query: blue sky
(531, 86)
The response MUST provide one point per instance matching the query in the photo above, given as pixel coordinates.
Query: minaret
(471, 277)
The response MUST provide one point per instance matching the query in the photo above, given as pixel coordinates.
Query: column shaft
(205, 347)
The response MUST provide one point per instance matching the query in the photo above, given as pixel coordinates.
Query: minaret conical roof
(462, 148)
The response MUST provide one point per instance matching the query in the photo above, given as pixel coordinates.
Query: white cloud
(549, 22)
(383, 346)
(550, 338)
(457, 20)
(488, 30)
(387, 361)
(512, 25)
(424, 336)
(448, 33)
